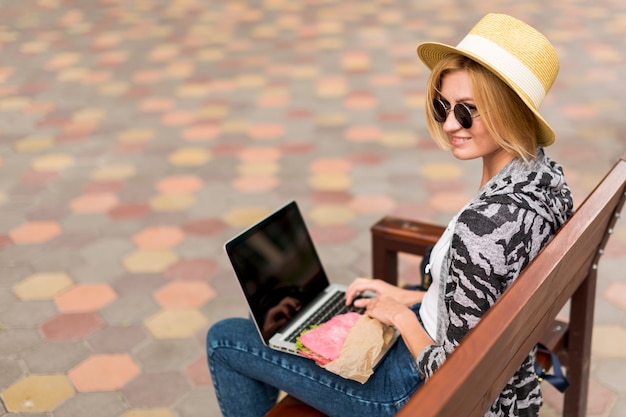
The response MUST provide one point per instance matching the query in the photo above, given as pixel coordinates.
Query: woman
(482, 100)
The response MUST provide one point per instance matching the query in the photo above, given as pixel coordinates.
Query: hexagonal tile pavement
(123, 174)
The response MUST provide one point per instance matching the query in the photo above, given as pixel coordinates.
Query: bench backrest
(476, 372)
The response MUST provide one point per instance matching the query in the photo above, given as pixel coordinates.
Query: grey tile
(93, 404)
(55, 356)
(167, 355)
(10, 372)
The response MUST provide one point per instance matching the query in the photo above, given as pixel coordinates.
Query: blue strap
(557, 380)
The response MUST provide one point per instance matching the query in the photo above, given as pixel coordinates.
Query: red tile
(297, 148)
(205, 227)
(227, 149)
(129, 211)
(192, 269)
(367, 158)
(333, 234)
(71, 326)
(331, 197)
(103, 187)
(4, 241)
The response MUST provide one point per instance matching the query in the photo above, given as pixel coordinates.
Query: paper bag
(362, 346)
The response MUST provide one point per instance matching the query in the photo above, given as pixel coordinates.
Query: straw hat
(516, 52)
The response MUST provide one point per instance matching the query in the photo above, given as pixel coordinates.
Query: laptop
(283, 280)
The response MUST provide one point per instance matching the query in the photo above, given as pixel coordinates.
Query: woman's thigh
(394, 380)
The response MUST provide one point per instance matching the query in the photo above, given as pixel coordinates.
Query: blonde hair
(509, 121)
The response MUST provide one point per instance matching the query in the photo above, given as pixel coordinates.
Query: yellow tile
(63, 60)
(331, 214)
(330, 182)
(42, 286)
(609, 342)
(14, 103)
(34, 143)
(216, 111)
(52, 162)
(150, 261)
(235, 126)
(210, 54)
(441, 171)
(113, 88)
(331, 119)
(180, 70)
(33, 47)
(399, 139)
(113, 173)
(191, 90)
(190, 157)
(152, 412)
(251, 81)
(72, 74)
(245, 216)
(175, 324)
(136, 135)
(172, 202)
(37, 393)
(89, 115)
(258, 168)
(305, 71)
(330, 43)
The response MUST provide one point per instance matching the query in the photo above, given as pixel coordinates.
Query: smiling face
(476, 141)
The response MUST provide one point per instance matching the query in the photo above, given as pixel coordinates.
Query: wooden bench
(565, 270)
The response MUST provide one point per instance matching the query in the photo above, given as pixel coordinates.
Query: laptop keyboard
(334, 306)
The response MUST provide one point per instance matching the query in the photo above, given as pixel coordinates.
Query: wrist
(405, 320)
(413, 297)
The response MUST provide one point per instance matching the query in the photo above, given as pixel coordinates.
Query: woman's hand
(381, 289)
(396, 314)
(385, 309)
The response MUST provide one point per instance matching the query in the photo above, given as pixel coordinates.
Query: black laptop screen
(278, 268)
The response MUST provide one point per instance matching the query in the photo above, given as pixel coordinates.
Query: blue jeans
(248, 375)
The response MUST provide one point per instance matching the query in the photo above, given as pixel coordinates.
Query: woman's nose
(451, 124)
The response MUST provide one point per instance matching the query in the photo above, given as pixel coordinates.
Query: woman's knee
(229, 331)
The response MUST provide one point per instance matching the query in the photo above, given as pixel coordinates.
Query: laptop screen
(278, 268)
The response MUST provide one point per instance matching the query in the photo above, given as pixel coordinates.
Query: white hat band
(507, 64)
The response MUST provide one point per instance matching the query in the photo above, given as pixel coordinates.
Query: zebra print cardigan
(495, 237)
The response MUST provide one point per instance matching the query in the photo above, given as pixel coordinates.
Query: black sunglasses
(462, 112)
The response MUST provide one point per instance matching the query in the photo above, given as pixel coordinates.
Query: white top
(428, 309)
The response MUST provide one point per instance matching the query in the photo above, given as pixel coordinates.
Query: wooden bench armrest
(394, 235)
